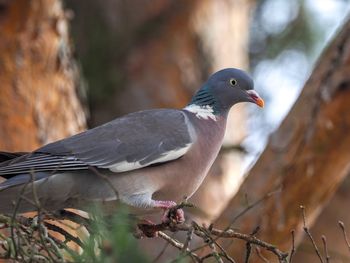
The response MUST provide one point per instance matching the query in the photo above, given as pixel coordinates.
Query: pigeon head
(224, 89)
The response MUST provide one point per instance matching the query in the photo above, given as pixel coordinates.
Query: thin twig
(240, 214)
(215, 252)
(211, 255)
(227, 256)
(230, 233)
(249, 245)
(325, 247)
(260, 255)
(13, 219)
(249, 207)
(292, 251)
(306, 230)
(161, 253)
(177, 244)
(342, 226)
(40, 225)
(212, 240)
(188, 239)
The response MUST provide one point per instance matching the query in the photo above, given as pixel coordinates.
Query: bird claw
(171, 212)
(172, 215)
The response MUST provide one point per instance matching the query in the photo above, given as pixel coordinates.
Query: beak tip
(260, 102)
(254, 97)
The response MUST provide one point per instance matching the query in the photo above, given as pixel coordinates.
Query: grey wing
(134, 141)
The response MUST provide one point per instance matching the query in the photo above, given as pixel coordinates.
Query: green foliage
(110, 240)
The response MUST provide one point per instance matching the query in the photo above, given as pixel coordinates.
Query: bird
(148, 160)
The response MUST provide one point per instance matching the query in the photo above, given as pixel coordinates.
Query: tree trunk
(38, 96)
(39, 79)
(306, 158)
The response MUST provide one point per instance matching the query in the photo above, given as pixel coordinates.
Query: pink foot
(170, 214)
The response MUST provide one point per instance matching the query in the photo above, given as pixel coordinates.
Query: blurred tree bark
(38, 96)
(307, 157)
(39, 79)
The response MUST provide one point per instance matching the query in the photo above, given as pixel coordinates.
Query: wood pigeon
(148, 159)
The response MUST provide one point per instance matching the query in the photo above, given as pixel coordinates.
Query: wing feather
(131, 142)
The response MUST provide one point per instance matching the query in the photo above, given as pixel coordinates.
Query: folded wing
(134, 141)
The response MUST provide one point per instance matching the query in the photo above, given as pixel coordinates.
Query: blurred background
(68, 65)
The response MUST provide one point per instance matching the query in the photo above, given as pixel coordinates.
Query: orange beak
(256, 98)
(260, 102)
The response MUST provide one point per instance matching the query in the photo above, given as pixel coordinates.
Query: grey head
(224, 89)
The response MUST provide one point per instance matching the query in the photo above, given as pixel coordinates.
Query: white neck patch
(202, 112)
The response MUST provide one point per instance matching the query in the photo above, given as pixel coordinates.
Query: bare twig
(252, 239)
(248, 252)
(252, 205)
(41, 227)
(210, 240)
(13, 220)
(212, 255)
(215, 253)
(260, 255)
(51, 246)
(177, 244)
(188, 239)
(292, 251)
(307, 231)
(249, 245)
(214, 233)
(342, 226)
(244, 211)
(161, 253)
(325, 247)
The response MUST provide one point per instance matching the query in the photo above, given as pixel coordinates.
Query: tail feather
(22, 179)
(6, 157)
(53, 192)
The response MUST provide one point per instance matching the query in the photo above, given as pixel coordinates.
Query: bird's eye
(233, 82)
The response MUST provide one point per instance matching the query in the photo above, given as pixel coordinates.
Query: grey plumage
(137, 137)
(149, 157)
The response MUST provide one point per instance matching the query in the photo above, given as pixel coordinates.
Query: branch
(203, 232)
